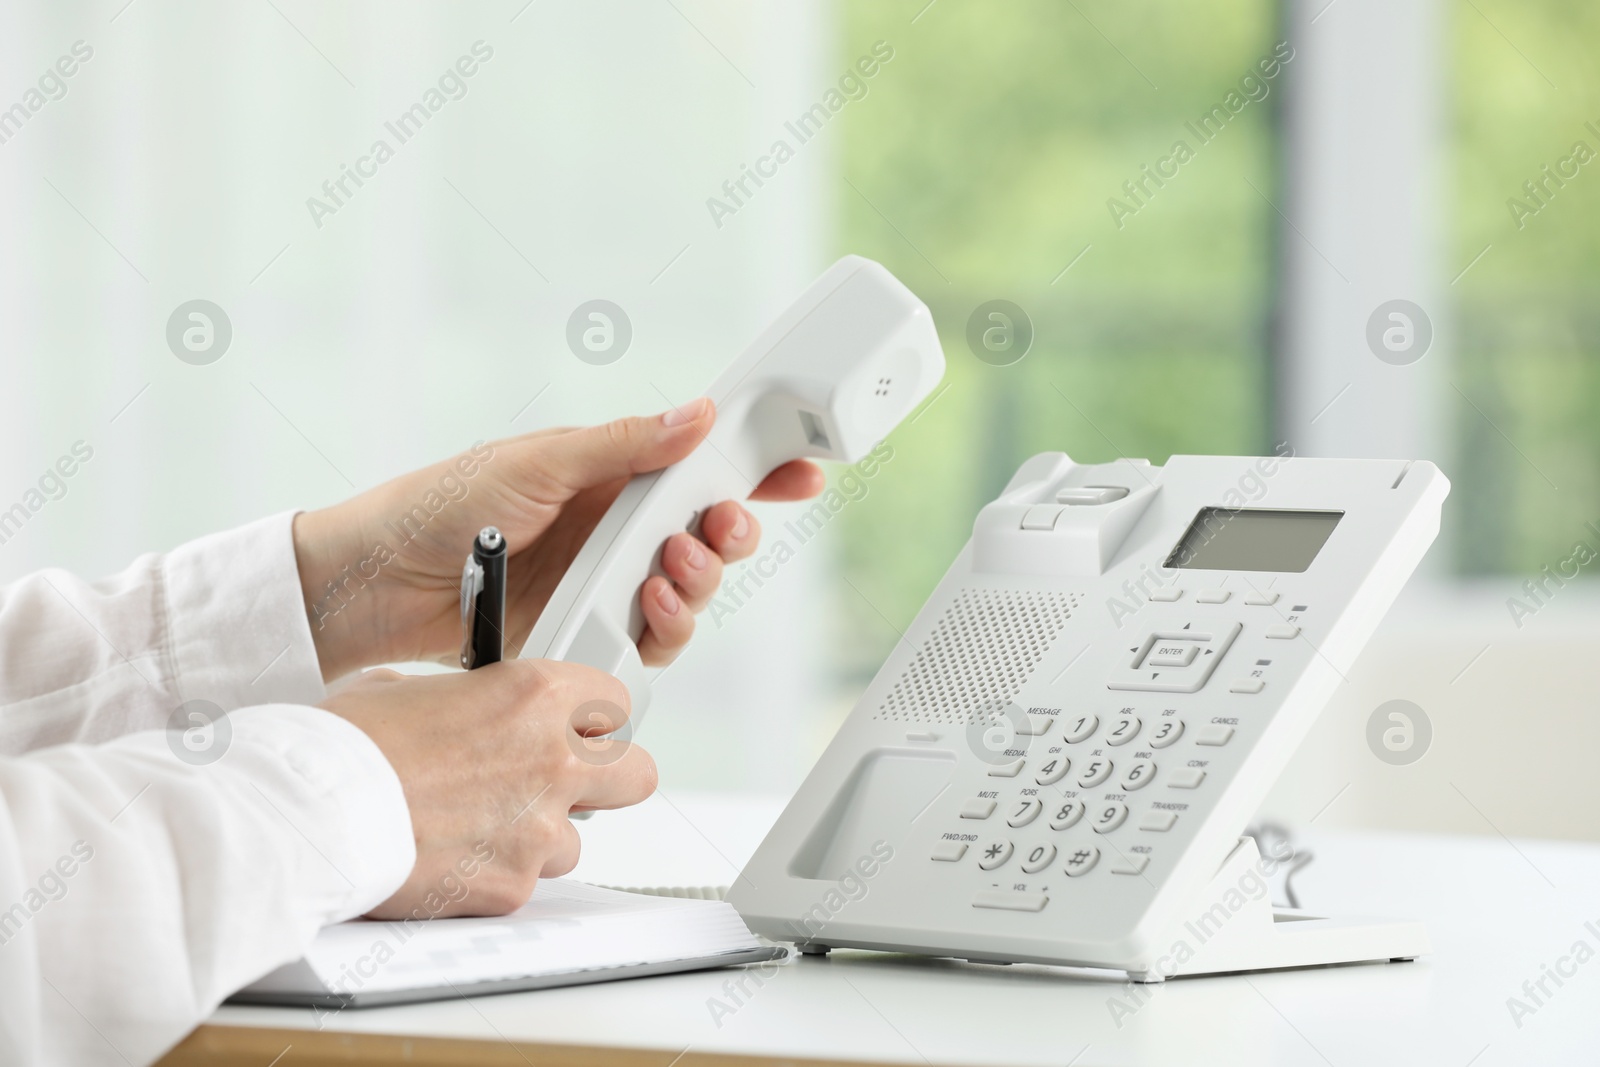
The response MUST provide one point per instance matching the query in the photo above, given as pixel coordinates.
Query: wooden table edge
(267, 1046)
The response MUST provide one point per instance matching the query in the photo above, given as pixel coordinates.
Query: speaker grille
(979, 656)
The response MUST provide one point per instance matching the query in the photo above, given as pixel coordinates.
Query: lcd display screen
(1253, 539)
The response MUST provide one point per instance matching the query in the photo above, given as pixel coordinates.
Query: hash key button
(1081, 860)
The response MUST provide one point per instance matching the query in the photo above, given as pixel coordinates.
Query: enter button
(1172, 654)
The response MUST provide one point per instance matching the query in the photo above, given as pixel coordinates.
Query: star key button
(995, 854)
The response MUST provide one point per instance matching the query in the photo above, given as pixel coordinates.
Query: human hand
(381, 572)
(492, 761)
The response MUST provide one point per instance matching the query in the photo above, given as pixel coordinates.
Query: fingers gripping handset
(832, 376)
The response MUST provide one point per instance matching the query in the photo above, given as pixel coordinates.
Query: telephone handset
(1057, 764)
(828, 379)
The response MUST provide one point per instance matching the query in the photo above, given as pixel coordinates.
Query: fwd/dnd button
(1009, 900)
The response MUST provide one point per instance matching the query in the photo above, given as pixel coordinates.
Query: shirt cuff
(237, 619)
(340, 793)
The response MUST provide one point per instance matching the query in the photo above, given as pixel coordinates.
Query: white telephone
(1056, 765)
(828, 379)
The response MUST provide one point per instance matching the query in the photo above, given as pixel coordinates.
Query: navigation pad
(1175, 658)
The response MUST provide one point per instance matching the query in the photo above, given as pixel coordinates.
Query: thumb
(595, 455)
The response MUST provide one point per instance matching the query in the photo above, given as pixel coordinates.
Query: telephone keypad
(1049, 766)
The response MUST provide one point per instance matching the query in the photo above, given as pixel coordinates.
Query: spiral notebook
(570, 933)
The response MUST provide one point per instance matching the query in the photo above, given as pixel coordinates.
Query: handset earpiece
(828, 379)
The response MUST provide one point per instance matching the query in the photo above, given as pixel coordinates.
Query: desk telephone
(1062, 753)
(1055, 765)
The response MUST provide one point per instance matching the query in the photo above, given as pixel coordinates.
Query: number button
(1122, 730)
(1026, 811)
(1041, 857)
(1082, 727)
(1138, 774)
(1068, 815)
(1166, 732)
(1096, 772)
(995, 854)
(1110, 817)
(1054, 770)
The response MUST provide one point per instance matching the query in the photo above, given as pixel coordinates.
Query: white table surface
(1498, 912)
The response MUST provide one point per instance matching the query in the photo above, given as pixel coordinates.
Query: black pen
(483, 600)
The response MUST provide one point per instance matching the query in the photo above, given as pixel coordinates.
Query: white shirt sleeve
(145, 874)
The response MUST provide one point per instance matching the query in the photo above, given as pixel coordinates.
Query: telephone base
(1260, 937)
